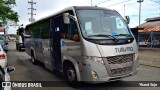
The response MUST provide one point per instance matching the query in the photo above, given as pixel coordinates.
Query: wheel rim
(71, 75)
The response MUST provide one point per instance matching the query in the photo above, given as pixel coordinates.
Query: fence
(149, 39)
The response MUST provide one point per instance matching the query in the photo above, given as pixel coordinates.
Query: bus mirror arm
(127, 19)
(72, 17)
(67, 16)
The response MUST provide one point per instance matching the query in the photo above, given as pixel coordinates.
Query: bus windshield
(102, 24)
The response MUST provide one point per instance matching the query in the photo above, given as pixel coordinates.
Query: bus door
(55, 42)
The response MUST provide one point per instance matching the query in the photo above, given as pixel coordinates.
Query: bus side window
(63, 35)
(73, 31)
(75, 37)
(70, 31)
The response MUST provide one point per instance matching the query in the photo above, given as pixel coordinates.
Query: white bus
(90, 44)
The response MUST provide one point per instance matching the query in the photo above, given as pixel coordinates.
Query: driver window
(70, 31)
(73, 31)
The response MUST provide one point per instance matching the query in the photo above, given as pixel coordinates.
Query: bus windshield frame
(99, 24)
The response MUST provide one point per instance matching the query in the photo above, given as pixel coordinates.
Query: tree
(6, 13)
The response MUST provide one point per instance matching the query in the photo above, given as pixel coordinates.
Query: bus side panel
(47, 58)
(28, 45)
(37, 45)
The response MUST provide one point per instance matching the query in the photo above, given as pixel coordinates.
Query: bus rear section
(90, 44)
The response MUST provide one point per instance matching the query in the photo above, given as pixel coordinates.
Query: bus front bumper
(109, 79)
(101, 74)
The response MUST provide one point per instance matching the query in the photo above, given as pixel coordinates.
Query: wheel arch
(75, 65)
(33, 51)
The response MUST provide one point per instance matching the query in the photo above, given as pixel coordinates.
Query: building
(149, 32)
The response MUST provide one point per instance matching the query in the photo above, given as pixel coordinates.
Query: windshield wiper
(103, 35)
(127, 35)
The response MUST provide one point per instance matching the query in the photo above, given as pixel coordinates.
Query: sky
(149, 9)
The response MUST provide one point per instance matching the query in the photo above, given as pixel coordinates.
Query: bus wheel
(70, 75)
(19, 48)
(33, 59)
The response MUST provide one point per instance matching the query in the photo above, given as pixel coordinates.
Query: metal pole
(139, 13)
(91, 2)
(139, 1)
(32, 8)
(124, 10)
(32, 11)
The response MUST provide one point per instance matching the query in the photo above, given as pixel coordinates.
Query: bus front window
(102, 22)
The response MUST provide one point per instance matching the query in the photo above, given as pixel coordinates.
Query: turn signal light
(2, 56)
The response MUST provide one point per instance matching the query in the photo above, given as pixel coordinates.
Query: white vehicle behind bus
(90, 44)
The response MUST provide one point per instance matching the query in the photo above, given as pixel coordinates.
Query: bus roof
(72, 8)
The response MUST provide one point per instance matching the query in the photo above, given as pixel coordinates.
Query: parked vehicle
(20, 39)
(4, 43)
(90, 44)
(3, 57)
(20, 44)
(4, 70)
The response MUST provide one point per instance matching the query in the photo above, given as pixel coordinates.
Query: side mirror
(66, 18)
(127, 19)
(10, 69)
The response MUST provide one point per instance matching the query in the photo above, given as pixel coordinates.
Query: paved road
(26, 71)
(150, 56)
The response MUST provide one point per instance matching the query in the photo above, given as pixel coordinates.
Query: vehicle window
(45, 30)
(88, 27)
(36, 30)
(2, 42)
(1, 38)
(70, 32)
(96, 22)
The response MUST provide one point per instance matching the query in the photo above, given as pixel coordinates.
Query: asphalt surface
(150, 56)
(26, 71)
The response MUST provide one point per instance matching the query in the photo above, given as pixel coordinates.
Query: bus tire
(70, 75)
(19, 48)
(33, 59)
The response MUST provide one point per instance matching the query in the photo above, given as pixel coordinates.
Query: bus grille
(120, 59)
(116, 61)
(121, 71)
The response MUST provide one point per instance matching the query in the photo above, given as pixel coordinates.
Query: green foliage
(10, 2)
(6, 13)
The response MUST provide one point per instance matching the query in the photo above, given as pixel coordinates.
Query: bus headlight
(136, 56)
(96, 59)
